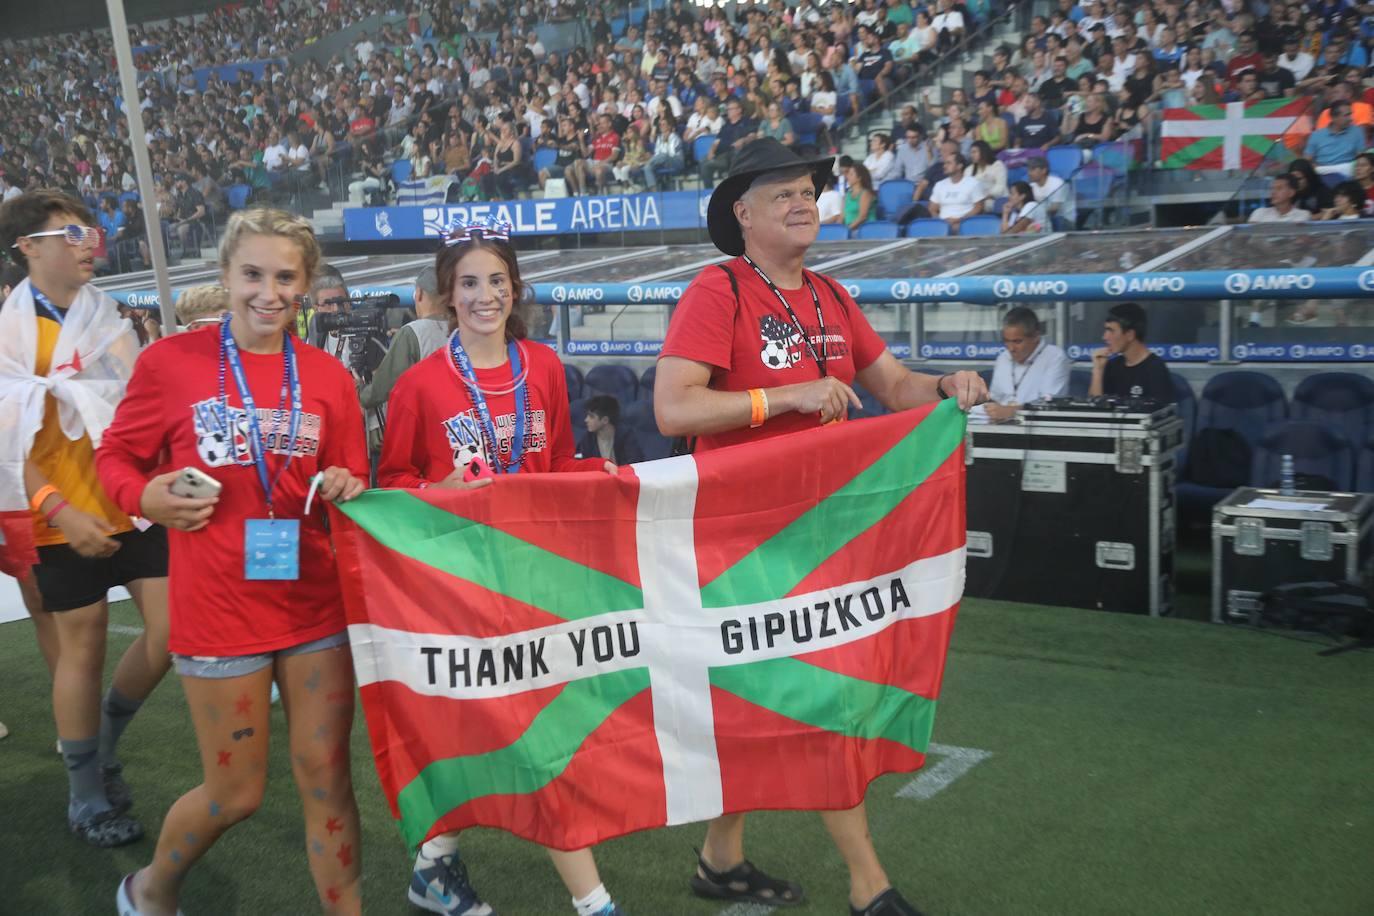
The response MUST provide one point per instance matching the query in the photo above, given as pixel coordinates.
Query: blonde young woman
(254, 591)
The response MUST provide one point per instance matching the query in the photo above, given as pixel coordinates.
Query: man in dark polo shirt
(737, 131)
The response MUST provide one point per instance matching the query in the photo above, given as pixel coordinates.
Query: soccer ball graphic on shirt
(464, 438)
(219, 447)
(781, 343)
(214, 449)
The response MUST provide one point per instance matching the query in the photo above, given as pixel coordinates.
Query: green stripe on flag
(837, 703)
(774, 568)
(489, 557)
(526, 765)
(1184, 156)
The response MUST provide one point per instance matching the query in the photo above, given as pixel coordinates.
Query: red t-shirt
(755, 345)
(172, 405)
(605, 145)
(432, 427)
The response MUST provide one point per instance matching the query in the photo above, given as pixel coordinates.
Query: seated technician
(1125, 367)
(1030, 368)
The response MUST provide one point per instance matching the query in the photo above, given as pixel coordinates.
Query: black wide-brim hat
(756, 158)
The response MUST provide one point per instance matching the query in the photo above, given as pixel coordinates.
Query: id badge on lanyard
(271, 546)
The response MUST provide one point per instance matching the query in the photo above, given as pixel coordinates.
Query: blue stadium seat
(129, 195)
(1015, 174)
(1079, 382)
(617, 26)
(981, 225)
(646, 383)
(1364, 468)
(1318, 452)
(1064, 160)
(878, 229)
(577, 416)
(701, 147)
(1341, 400)
(238, 196)
(576, 384)
(614, 379)
(843, 108)
(894, 196)
(1242, 401)
(638, 15)
(998, 204)
(400, 170)
(1119, 156)
(638, 418)
(1185, 402)
(543, 158)
(832, 232)
(926, 228)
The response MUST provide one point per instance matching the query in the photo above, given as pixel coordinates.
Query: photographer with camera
(412, 343)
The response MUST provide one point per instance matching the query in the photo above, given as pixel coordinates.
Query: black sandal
(889, 903)
(108, 829)
(744, 883)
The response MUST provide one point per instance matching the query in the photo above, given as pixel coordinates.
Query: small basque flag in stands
(573, 657)
(1238, 135)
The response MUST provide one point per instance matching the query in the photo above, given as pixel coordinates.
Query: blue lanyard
(42, 300)
(290, 382)
(479, 401)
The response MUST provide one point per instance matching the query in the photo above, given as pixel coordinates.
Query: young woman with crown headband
(489, 403)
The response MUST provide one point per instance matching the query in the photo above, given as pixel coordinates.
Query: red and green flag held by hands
(573, 657)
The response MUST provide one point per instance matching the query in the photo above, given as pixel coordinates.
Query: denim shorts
(215, 667)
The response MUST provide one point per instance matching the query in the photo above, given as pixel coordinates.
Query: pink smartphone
(476, 470)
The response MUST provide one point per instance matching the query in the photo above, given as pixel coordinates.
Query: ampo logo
(1357, 351)
(1239, 351)
(971, 351)
(1237, 283)
(1114, 285)
(901, 289)
(1075, 351)
(1297, 351)
(1176, 352)
(636, 293)
(927, 350)
(1003, 288)
(1366, 280)
(852, 289)
(560, 293)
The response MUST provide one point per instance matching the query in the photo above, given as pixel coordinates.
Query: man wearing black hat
(758, 347)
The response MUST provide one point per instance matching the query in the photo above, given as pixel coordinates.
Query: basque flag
(572, 657)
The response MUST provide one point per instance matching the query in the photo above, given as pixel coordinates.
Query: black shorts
(67, 580)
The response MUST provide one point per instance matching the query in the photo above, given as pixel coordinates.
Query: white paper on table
(1288, 504)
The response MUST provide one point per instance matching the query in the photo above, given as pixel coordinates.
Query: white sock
(594, 902)
(445, 844)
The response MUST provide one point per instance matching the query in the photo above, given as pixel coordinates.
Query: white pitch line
(954, 762)
(126, 631)
(748, 909)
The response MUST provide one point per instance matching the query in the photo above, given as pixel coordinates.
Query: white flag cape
(89, 371)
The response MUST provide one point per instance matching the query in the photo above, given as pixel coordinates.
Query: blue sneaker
(441, 886)
(612, 909)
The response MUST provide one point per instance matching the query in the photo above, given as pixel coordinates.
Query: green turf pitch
(1138, 766)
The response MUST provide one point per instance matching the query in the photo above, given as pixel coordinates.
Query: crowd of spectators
(1098, 72)
(643, 98)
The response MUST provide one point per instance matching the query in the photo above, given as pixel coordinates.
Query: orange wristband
(758, 407)
(36, 504)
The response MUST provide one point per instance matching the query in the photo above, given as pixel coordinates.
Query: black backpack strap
(734, 284)
(685, 445)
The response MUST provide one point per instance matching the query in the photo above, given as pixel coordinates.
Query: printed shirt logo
(221, 445)
(783, 347)
(464, 433)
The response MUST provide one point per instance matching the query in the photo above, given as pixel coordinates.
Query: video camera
(362, 327)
